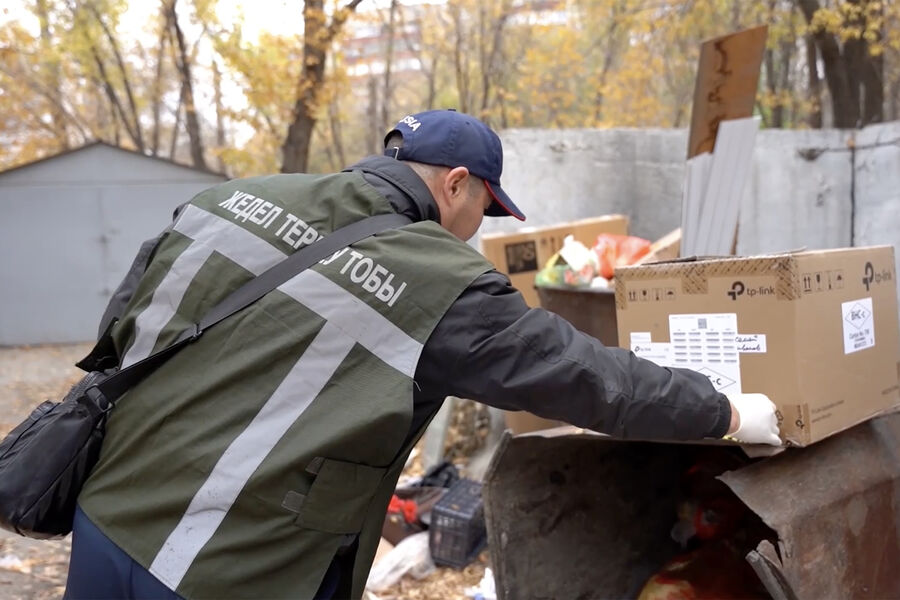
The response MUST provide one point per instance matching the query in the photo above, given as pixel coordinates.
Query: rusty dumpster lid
(835, 507)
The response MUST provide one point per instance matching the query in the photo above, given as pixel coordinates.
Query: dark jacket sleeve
(492, 348)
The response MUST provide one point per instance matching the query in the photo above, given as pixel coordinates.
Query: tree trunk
(604, 71)
(873, 83)
(814, 84)
(788, 48)
(57, 115)
(491, 72)
(317, 37)
(387, 91)
(334, 117)
(777, 116)
(156, 98)
(462, 75)
(855, 52)
(483, 61)
(429, 72)
(373, 128)
(846, 113)
(854, 77)
(432, 83)
(220, 117)
(115, 103)
(190, 110)
(736, 14)
(135, 125)
(176, 129)
(784, 80)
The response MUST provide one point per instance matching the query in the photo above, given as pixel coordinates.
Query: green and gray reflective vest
(242, 465)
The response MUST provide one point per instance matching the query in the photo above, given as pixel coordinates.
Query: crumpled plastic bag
(486, 588)
(574, 265)
(411, 556)
(618, 251)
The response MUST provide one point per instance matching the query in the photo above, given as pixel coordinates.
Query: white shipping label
(751, 343)
(859, 325)
(659, 352)
(640, 337)
(707, 343)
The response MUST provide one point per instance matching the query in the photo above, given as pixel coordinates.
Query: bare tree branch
(135, 128)
(190, 110)
(164, 38)
(339, 18)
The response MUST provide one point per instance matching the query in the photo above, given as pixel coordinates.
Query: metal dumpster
(575, 514)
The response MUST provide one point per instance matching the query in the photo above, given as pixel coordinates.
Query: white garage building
(70, 226)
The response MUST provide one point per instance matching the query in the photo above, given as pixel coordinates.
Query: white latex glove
(759, 425)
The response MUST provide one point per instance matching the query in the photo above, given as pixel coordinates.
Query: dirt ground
(36, 570)
(32, 569)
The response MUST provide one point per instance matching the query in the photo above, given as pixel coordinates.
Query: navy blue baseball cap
(453, 139)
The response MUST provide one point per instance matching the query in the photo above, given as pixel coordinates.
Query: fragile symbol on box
(822, 281)
(819, 281)
(835, 280)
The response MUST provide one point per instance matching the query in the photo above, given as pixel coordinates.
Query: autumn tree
(189, 87)
(184, 66)
(83, 78)
(318, 34)
(850, 38)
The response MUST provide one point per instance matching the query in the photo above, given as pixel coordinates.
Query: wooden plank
(727, 80)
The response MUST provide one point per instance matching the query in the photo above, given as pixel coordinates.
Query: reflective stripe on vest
(232, 241)
(349, 321)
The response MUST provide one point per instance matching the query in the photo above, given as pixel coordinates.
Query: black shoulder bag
(46, 459)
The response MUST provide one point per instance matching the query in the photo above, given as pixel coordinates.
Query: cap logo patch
(411, 121)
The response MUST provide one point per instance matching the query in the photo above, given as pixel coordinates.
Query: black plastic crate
(457, 533)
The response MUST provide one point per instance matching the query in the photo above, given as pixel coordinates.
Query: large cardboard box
(815, 331)
(523, 253)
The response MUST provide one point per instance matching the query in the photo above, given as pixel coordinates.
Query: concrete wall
(69, 229)
(812, 189)
(561, 175)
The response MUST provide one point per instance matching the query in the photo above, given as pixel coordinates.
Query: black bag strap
(107, 392)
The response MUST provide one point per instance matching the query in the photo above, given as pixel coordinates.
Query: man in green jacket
(259, 461)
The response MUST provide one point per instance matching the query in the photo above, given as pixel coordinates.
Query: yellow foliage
(553, 63)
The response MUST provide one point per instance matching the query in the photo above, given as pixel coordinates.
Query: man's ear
(455, 183)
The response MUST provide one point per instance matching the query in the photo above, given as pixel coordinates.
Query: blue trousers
(100, 570)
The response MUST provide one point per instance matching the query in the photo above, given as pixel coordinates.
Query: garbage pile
(576, 265)
(435, 520)
(716, 531)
